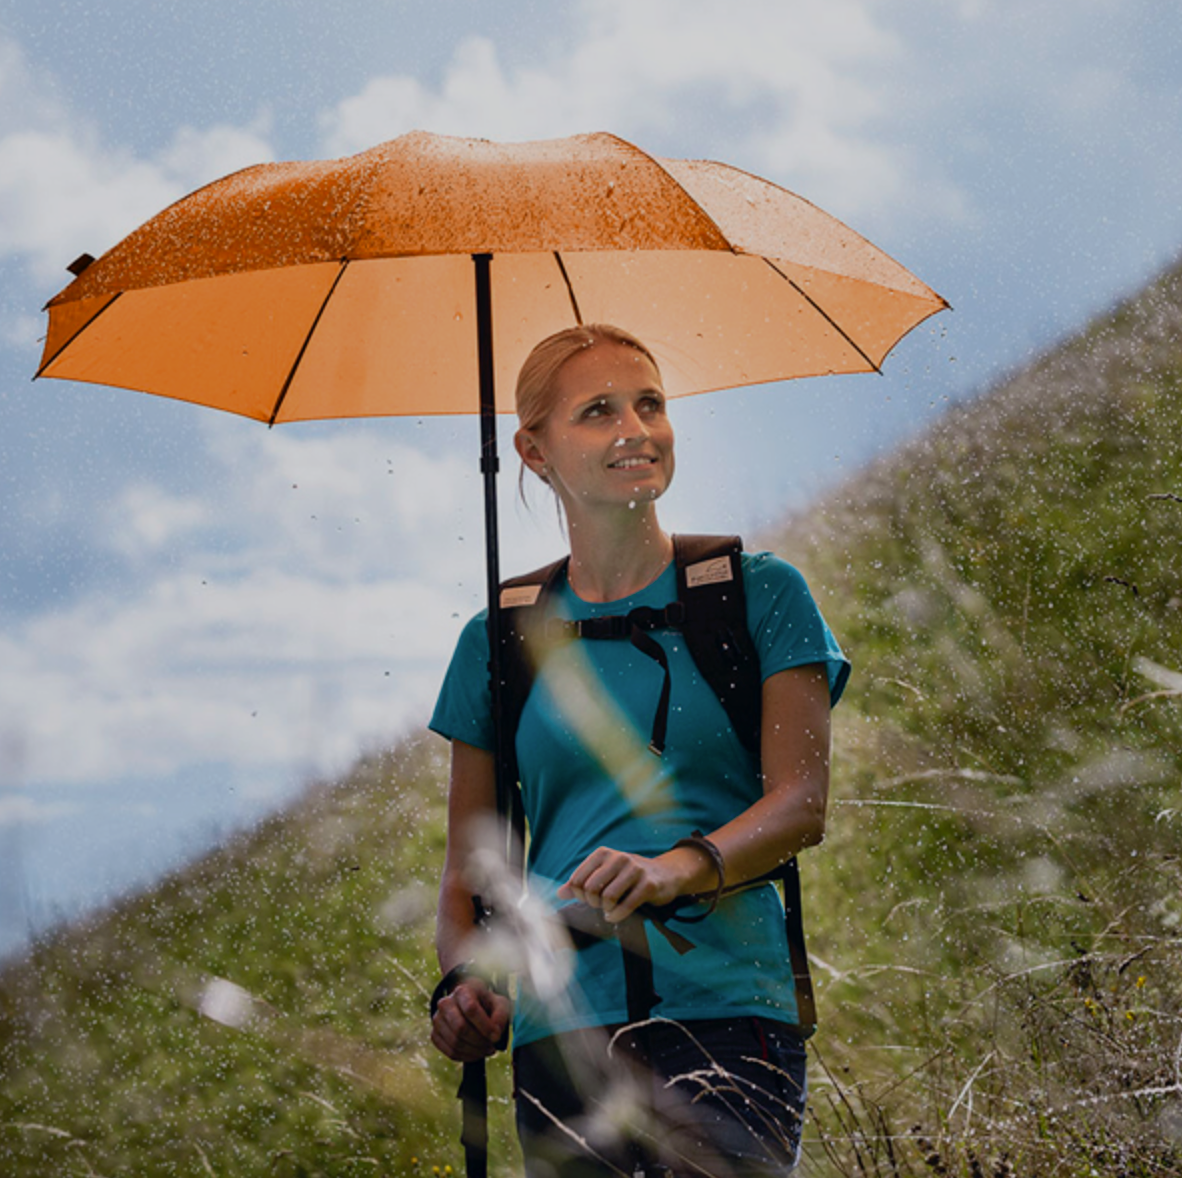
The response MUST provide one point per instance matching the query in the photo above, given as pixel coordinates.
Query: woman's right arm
(470, 1022)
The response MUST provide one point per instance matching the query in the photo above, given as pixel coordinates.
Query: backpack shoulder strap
(710, 586)
(522, 599)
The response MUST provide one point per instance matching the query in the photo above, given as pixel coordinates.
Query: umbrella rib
(110, 303)
(849, 339)
(307, 340)
(570, 290)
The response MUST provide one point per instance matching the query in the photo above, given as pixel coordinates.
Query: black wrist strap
(451, 979)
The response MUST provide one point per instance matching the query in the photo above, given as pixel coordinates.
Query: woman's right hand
(470, 1022)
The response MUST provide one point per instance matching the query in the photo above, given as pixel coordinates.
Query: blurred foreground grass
(260, 1013)
(996, 917)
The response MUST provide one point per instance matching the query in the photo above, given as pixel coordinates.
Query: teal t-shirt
(589, 780)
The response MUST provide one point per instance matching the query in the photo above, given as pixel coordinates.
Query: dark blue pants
(720, 1097)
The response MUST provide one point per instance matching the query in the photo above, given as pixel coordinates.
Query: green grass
(996, 915)
(322, 918)
(1002, 881)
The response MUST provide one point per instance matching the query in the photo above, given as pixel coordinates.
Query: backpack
(711, 613)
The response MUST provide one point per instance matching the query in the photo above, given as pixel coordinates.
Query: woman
(609, 820)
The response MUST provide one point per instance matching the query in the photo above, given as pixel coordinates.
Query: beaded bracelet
(702, 843)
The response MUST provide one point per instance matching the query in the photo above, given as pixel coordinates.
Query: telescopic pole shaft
(489, 467)
(473, 1087)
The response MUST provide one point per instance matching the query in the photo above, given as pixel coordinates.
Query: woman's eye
(596, 410)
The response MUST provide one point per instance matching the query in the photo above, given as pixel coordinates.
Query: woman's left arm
(795, 756)
(789, 817)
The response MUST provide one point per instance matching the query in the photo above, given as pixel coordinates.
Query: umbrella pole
(474, 1085)
(489, 468)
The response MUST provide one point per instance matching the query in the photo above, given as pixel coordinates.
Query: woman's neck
(615, 556)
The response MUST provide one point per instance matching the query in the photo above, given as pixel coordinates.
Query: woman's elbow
(815, 833)
(810, 807)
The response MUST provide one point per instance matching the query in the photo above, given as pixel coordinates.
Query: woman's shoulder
(474, 634)
(766, 571)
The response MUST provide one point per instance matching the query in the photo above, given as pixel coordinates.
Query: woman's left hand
(619, 882)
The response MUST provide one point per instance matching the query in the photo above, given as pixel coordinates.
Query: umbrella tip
(80, 263)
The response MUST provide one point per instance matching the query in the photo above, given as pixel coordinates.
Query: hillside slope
(1002, 885)
(996, 917)
(261, 1012)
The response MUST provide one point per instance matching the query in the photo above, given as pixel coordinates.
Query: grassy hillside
(1002, 884)
(260, 1013)
(996, 916)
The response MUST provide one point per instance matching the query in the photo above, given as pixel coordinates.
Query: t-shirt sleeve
(463, 710)
(786, 624)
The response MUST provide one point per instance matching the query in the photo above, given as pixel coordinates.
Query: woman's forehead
(607, 367)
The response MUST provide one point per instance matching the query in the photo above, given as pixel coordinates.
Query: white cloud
(25, 102)
(270, 670)
(142, 519)
(22, 810)
(801, 92)
(298, 610)
(195, 157)
(354, 502)
(21, 331)
(61, 193)
(65, 188)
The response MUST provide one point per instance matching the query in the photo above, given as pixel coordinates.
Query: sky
(198, 615)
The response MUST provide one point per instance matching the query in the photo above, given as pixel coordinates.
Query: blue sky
(197, 614)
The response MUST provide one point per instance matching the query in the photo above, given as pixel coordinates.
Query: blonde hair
(536, 381)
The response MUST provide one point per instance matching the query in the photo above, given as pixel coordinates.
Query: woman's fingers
(470, 1022)
(596, 872)
(614, 881)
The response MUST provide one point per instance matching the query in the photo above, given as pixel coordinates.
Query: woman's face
(607, 441)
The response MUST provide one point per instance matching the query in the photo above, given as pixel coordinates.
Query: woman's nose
(630, 424)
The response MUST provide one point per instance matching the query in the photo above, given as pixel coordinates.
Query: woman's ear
(527, 449)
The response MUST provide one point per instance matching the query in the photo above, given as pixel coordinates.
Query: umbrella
(345, 288)
(404, 279)
(410, 277)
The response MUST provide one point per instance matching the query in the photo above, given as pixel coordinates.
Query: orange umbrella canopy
(344, 288)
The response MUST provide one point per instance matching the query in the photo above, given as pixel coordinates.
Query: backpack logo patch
(518, 595)
(715, 571)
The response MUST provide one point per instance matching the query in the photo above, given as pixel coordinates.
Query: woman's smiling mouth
(631, 463)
